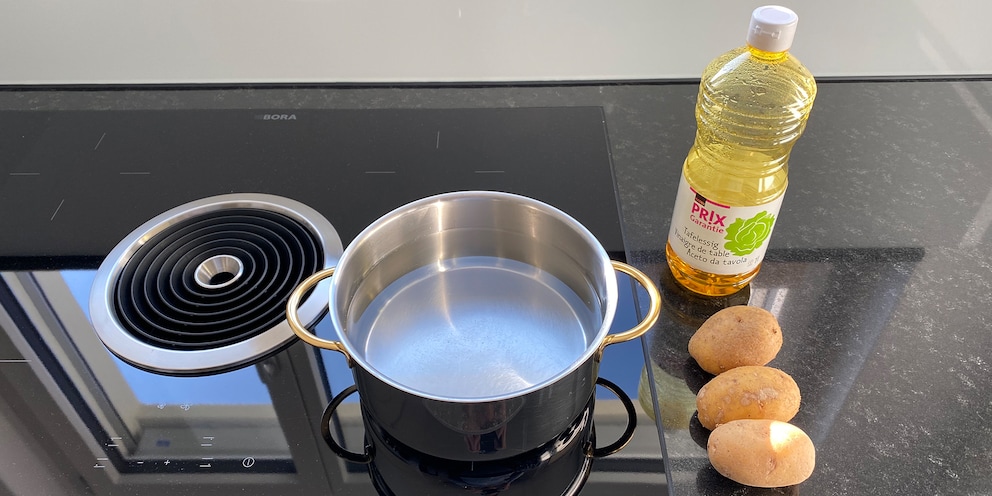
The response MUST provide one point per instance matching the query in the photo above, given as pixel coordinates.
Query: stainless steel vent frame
(206, 361)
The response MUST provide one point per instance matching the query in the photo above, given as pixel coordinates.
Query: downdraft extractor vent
(202, 288)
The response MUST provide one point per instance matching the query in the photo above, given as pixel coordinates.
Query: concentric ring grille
(202, 288)
(160, 299)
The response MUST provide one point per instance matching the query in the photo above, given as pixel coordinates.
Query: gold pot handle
(293, 317)
(654, 310)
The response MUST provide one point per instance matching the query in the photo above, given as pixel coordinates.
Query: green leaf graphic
(745, 236)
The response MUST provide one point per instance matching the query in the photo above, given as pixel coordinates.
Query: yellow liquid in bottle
(752, 107)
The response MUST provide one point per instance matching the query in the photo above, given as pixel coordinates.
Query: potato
(761, 453)
(748, 392)
(736, 336)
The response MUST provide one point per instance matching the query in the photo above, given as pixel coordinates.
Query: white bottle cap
(772, 28)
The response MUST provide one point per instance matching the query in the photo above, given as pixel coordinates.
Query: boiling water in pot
(474, 327)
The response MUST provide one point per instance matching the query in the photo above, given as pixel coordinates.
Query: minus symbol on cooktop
(104, 135)
(136, 173)
(380, 172)
(25, 173)
(490, 172)
(57, 210)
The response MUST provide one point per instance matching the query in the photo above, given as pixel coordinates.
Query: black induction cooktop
(74, 183)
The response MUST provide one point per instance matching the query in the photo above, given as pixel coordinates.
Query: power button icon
(248, 462)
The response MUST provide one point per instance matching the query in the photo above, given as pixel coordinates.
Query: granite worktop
(880, 268)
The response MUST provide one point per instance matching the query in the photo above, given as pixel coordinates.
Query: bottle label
(717, 238)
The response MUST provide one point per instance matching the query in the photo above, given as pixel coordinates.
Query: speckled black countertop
(880, 268)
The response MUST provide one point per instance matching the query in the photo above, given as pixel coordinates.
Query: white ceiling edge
(53, 42)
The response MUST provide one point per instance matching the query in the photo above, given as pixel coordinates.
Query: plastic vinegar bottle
(752, 106)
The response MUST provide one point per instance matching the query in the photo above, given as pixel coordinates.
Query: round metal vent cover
(202, 288)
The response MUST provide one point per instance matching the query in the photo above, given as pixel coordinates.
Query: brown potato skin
(748, 392)
(734, 337)
(761, 453)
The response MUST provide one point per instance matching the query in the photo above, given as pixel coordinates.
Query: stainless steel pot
(474, 321)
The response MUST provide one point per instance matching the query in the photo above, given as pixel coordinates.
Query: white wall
(190, 41)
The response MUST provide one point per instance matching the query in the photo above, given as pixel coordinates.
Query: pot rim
(592, 348)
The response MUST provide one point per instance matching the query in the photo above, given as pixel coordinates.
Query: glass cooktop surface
(75, 419)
